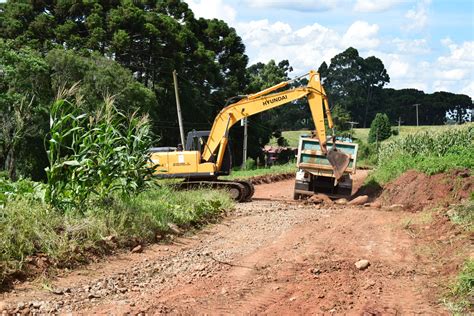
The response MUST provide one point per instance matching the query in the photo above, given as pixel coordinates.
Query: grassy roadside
(460, 299)
(32, 228)
(277, 169)
(433, 152)
(428, 152)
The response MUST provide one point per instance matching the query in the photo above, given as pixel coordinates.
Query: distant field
(361, 133)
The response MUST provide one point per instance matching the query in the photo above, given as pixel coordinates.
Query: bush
(23, 188)
(366, 153)
(380, 128)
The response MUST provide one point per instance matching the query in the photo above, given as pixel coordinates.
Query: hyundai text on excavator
(206, 155)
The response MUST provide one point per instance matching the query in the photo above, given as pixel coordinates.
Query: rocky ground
(273, 256)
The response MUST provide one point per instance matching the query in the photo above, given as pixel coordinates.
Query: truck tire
(296, 196)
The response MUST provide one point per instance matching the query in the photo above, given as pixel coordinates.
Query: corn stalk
(94, 155)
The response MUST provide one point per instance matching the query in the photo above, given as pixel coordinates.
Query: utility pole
(416, 105)
(352, 124)
(244, 122)
(178, 108)
(399, 123)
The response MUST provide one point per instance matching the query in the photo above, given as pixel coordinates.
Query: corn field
(435, 144)
(94, 154)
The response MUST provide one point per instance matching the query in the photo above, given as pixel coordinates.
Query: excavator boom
(204, 167)
(266, 100)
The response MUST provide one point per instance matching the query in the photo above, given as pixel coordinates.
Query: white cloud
(305, 48)
(468, 89)
(459, 56)
(453, 71)
(295, 5)
(418, 16)
(361, 35)
(411, 46)
(211, 9)
(375, 5)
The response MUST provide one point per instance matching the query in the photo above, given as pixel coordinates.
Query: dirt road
(271, 256)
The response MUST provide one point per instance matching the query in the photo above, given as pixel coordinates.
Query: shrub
(380, 128)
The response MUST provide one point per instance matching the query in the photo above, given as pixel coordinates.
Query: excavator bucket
(339, 161)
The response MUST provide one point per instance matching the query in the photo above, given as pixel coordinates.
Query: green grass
(278, 169)
(430, 153)
(461, 298)
(32, 227)
(392, 168)
(292, 137)
(361, 133)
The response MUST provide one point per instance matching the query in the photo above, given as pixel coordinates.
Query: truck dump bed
(311, 159)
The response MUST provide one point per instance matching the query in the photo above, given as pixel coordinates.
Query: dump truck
(315, 172)
(206, 157)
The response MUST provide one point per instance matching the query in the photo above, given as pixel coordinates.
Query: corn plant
(94, 154)
(435, 144)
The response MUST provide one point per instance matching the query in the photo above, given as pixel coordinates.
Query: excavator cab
(196, 141)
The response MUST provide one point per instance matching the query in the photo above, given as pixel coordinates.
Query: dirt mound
(415, 190)
(269, 178)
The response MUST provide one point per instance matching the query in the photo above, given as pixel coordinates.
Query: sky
(424, 44)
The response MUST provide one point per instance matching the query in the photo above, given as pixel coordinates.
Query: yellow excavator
(206, 155)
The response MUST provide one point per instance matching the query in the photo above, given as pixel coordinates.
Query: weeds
(277, 169)
(430, 153)
(31, 228)
(463, 215)
(461, 298)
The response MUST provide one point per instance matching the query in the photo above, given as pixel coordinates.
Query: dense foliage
(95, 154)
(431, 153)
(129, 49)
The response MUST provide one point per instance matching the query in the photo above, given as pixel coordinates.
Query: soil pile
(269, 178)
(415, 190)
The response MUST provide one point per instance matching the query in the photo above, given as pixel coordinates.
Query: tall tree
(24, 95)
(352, 81)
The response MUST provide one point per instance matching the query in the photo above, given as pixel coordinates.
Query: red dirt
(416, 190)
(272, 256)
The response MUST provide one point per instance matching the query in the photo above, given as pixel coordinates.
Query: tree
(352, 81)
(380, 128)
(151, 39)
(24, 95)
(99, 77)
(261, 126)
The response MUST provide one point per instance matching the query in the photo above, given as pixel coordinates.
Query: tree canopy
(129, 49)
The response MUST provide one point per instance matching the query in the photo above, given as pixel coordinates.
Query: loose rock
(174, 228)
(342, 201)
(320, 198)
(137, 249)
(360, 200)
(396, 207)
(362, 264)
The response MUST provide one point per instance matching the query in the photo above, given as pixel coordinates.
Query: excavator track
(240, 191)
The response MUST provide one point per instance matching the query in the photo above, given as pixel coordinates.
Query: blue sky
(424, 44)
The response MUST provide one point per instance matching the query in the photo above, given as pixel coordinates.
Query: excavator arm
(266, 100)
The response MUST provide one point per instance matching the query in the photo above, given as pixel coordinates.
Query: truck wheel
(296, 196)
